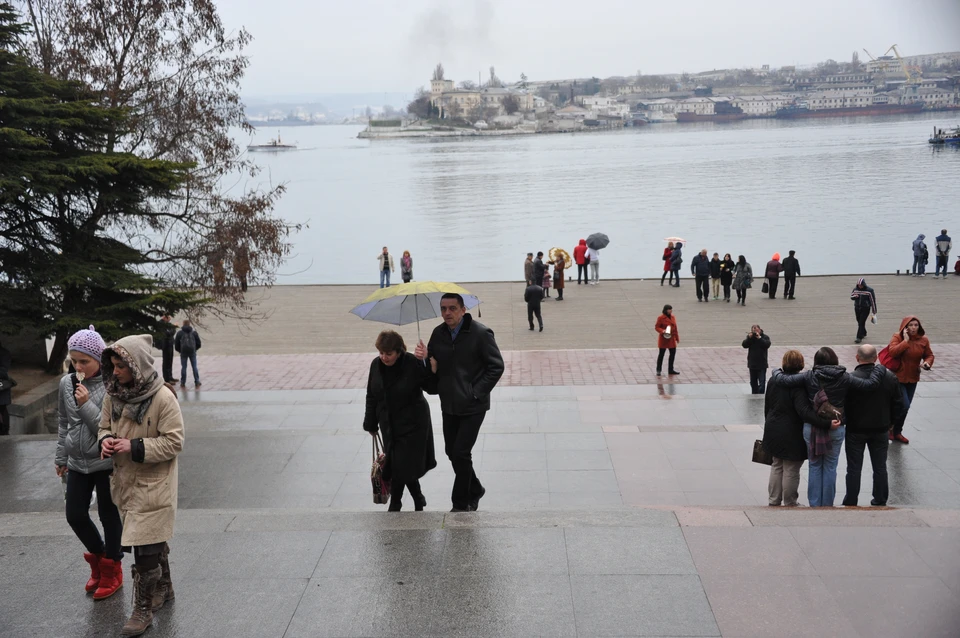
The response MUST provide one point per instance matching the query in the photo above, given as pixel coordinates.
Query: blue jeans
(907, 390)
(919, 265)
(183, 368)
(384, 277)
(822, 477)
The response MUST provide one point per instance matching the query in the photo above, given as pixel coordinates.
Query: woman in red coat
(667, 253)
(666, 327)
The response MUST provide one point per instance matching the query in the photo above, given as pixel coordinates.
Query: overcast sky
(353, 46)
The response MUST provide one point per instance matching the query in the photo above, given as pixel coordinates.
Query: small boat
(273, 145)
(941, 136)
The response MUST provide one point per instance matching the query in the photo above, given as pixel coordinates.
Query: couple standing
(462, 364)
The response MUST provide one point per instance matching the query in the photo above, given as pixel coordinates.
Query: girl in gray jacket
(78, 457)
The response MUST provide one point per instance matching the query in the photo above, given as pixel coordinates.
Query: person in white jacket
(594, 256)
(385, 262)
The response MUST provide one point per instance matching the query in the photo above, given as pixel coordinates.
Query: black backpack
(188, 342)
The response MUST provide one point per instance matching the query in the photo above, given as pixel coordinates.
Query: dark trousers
(758, 380)
(459, 436)
(168, 364)
(908, 390)
(789, 284)
(863, 313)
(582, 272)
(673, 356)
(774, 283)
(675, 274)
(941, 263)
(878, 444)
(703, 287)
(726, 291)
(531, 311)
(4, 420)
(742, 295)
(664, 276)
(396, 493)
(79, 491)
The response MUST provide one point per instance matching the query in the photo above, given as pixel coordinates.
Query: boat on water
(273, 145)
(801, 110)
(941, 136)
(657, 117)
(723, 112)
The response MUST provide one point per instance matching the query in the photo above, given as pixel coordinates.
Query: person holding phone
(757, 344)
(912, 347)
(668, 339)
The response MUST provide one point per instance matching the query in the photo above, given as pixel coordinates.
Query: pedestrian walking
(469, 365)
(538, 269)
(785, 410)
(667, 268)
(528, 274)
(560, 264)
(545, 283)
(668, 339)
(726, 275)
(791, 270)
(757, 344)
(6, 397)
(911, 348)
(78, 462)
(406, 267)
(676, 261)
(920, 256)
(944, 244)
(870, 415)
(533, 295)
(864, 306)
(187, 343)
(141, 429)
(166, 348)
(385, 263)
(396, 407)
(742, 279)
(580, 257)
(715, 271)
(700, 269)
(827, 385)
(593, 257)
(772, 275)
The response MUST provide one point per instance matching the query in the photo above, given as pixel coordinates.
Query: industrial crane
(912, 78)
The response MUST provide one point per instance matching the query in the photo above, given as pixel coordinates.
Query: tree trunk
(58, 353)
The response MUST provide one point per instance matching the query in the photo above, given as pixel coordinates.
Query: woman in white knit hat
(78, 457)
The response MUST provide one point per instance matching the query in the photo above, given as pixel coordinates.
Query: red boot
(900, 438)
(111, 578)
(94, 560)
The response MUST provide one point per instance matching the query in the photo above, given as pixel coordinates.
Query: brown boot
(164, 590)
(144, 584)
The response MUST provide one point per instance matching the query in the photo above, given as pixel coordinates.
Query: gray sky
(380, 45)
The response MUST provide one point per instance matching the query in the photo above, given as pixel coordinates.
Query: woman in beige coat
(141, 428)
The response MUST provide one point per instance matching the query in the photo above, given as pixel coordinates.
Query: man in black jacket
(469, 365)
(166, 347)
(757, 344)
(869, 416)
(538, 269)
(864, 304)
(791, 269)
(533, 295)
(700, 268)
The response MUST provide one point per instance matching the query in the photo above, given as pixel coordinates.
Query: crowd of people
(921, 256)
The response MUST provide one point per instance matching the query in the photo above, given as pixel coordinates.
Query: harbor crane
(912, 78)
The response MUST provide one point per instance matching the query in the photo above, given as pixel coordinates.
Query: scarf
(135, 399)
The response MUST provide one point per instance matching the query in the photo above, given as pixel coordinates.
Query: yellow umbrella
(555, 252)
(406, 303)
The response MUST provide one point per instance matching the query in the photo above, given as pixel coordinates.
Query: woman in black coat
(396, 406)
(726, 275)
(785, 411)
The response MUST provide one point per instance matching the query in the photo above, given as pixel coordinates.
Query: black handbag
(766, 288)
(760, 455)
(7, 384)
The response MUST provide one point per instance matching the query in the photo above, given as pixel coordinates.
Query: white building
(761, 105)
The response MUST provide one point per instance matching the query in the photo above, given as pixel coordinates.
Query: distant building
(761, 105)
(464, 102)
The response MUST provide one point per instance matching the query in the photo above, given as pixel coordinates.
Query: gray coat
(78, 447)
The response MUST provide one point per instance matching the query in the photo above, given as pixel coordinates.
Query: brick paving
(527, 368)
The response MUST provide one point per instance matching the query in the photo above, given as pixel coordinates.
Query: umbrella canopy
(598, 241)
(407, 303)
(556, 252)
(675, 239)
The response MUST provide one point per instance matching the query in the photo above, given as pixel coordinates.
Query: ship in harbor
(802, 110)
(941, 136)
(276, 145)
(723, 111)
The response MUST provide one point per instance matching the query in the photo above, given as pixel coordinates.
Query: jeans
(774, 283)
(673, 355)
(595, 271)
(758, 380)
(385, 278)
(863, 313)
(534, 311)
(726, 291)
(79, 490)
(908, 390)
(715, 283)
(675, 274)
(582, 272)
(919, 265)
(459, 436)
(784, 484)
(192, 358)
(703, 287)
(822, 477)
(941, 263)
(789, 284)
(878, 445)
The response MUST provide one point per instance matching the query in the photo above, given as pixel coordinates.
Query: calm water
(849, 195)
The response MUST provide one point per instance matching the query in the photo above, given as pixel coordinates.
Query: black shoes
(475, 503)
(457, 509)
(419, 502)
(673, 372)
(659, 373)
(531, 327)
(541, 328)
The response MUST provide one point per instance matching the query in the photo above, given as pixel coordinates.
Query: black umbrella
(598, 241)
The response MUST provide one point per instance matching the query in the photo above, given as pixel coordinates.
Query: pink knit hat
(88, 342)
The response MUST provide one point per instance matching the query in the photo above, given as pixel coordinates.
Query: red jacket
(580, 252)
(667, 253)
(911, 353)
(662, 322)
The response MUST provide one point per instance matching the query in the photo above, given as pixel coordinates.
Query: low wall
(31, 413)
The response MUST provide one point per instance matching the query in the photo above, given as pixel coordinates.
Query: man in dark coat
(469, 365)
(676, 261)
(538, 269)
(166, 347)
(757, 344)
(533, 295)
(700, 268)
(870, 414)
(791, 270)
(528, 269)
(864, 303)
(5, 396)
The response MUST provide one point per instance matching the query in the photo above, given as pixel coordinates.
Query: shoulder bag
(381, 485)
(889, 361)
